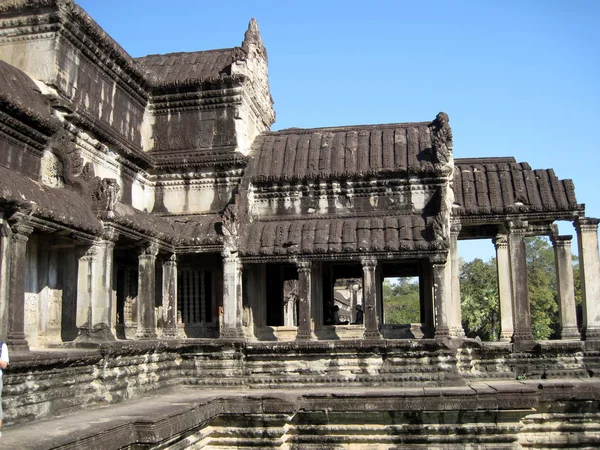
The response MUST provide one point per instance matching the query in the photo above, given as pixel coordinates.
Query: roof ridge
(215, 50)
(347, 127)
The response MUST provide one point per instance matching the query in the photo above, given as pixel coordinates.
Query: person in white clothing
(3, 365)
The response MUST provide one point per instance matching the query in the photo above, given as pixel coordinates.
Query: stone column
(4, 275)
(232, 308)
(441, 295)
(371, 317)
(94, 292)
(563, 260)
(169, 296)
(304, 301)
(504, 288)
(16, 308)
(146, 318)
(589, 268)
(455, 312)
(520, 287)
(426, 294)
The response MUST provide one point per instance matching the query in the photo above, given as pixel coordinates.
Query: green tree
(479, 293)
(479, 299)
(541, 278)
(401, 301)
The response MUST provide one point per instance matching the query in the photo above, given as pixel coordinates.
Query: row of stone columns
(232, 299)
(95, 285)
(513, 287)
(94, 289)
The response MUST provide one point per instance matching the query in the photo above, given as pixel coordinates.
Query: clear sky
(518, 78)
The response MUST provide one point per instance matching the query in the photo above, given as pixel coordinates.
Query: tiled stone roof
(296, 154)
(197, 230)
(407, 232)
(182, 66)
(20, 96)
(191, 231)
(61, 206)
(501, 185)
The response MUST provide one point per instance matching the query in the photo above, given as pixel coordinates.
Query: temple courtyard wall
(331, 394)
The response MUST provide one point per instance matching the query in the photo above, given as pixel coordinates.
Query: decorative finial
(252, 35)
(441, 138)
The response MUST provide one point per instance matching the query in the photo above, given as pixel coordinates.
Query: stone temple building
(156, 234)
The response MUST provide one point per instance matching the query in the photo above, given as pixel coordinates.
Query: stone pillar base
(506, 336)
(169, 333)
(145, 334)
(570, 333)
(591, 334)
(16, 342)
(100, 332)
(524, 345)
(522, 336)
(372, 334)
(304, 335)
(442, 332)
(457, 332)
(232, 333)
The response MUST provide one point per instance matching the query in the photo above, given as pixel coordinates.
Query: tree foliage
(541, 278)
(479, 293)
(401, 301)
(479, 299)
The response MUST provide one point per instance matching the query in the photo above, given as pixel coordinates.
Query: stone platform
(498, 414)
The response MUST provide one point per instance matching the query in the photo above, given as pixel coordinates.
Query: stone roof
(65, 207)
(296, 154)
(197, 230)
(184, 66)
(20, 96)
(319, 236)
(501, 185)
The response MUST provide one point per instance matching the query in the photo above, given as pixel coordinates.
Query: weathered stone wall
(491, 415)
(14, 157)
(348, 197)
(62, 47)
(44, 384)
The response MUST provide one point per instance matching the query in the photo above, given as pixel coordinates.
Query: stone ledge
(153, 420)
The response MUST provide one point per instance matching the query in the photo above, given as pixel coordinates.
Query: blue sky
(518, 78)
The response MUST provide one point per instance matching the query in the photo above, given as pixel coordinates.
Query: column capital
(21, 231)
(230, 258)
(455, 228)
(110, 234)
(586, 225)
(562, 241)
(148, 250)
(439, 259)
(303, 266)
(87, 252)
(368, 262)
(517, 226)
(500, 241)
(171, 260)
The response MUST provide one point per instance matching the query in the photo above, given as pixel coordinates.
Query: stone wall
(493, 415)
(45, 384)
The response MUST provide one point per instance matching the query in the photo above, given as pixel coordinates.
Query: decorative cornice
(21, 133)
(586, 225)
(195, 101)
(303, 266)
(120, 144)
(368, 263)
(562, 241)
(478, 219)
(339, 257)
(500, 242)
